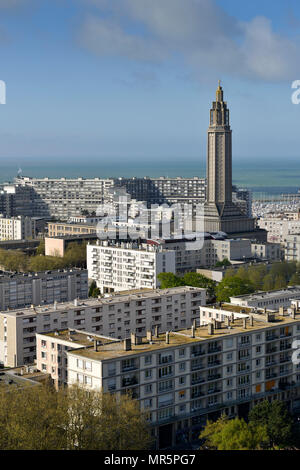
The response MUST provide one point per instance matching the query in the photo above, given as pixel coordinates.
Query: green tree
(94, 291)
(278, 422)
(234, 286)
(280, 282)
(242, 273)
(268, 282)
(225, 262)
(234, 434)
(169, 280)
(295, 279)
(198, 280)
(41, 248)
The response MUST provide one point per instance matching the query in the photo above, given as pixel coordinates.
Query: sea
(267, 178)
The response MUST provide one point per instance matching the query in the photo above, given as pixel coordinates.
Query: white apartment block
(271, 300)
(115, 316)
(46, 287)
(278, 229)
(124, 266)
(16, 228)
(267, 251)
(183, 378)
(292, 247)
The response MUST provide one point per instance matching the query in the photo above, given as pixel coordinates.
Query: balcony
(197, 353)
(129, 382)
(214, 377)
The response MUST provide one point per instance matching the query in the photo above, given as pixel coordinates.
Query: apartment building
(267, 251)
(115, 316)
(123, 266)
(17, 228)
(278, 229)
(183, 378)
(271, 300)
(292, 247)
(46, 287)
(63, 198)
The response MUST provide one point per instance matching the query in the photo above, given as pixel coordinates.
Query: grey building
(21, 290)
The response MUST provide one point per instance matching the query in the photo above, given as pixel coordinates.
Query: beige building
(62, 229)
(183, 378)
(267, 251)
(116, 316)
(17, 228)
(292, 247)
(278, 228)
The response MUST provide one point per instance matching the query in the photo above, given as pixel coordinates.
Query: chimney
(251, 320)
(156, 331)
(149, 335)
(193, 331)
(95, 345)
(75, 302)
(133, 338)
(227, 321)
(232, 318)
(245, 323)
(210, 329)
(127, 344)
(281, 311)
(293, 312)
(167, 337)
(194, 324)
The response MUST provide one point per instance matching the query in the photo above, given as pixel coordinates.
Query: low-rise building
(271, 300)
(62, 229)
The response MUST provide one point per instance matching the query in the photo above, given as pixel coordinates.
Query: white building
(183, 378)
(278, 229)
(17, 228)
(271, 300)
(115, 316)
(124, 266)
(292, 247)
(267, 251)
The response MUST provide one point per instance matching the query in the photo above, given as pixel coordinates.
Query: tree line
(41, 418)
(241, 281)
(14, 260)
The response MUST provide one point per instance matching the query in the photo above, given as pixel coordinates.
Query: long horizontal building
(116, 316)
(183, 378)
(271, 300)
(46, 287)
(63, 198)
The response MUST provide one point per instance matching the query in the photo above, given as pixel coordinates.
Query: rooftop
(116, 350)
(120, 297)
(77, 337)
(269, 294)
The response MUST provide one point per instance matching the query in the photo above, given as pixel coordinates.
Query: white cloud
(198, 31)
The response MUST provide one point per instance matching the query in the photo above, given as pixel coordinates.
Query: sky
(134, 79)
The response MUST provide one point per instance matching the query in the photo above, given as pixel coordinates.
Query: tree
(295, 279)
(277, 420)
(234, 434)
(39, 418)
(94, 291)
(198, 280)
(234, 286)
(242, 273)
(169, 280)
(268, 282)
(41, 248)
(280, 282)
(225, 262)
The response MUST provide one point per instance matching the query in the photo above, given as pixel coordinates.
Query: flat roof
(183, 337)
(76, 337)
(120, 297)
(268, 294)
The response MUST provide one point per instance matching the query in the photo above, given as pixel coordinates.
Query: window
(80, 363)
(88, 380)
(88, 365)
(148, 374)
(148, 359)
(182, 366)
(80, 378)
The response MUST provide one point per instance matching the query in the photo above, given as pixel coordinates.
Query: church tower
(220, 213)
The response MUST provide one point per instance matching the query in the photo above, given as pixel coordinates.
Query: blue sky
(134, 79)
